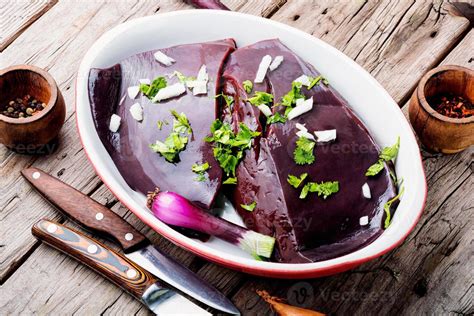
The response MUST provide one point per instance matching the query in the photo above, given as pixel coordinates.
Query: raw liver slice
(141, 168)
(311, 229)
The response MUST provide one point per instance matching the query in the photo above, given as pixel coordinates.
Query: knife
(160, 299)
(101, 220)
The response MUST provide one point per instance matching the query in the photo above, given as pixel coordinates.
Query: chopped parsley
(303, 153)
(261, 97)
(229, 147)
(232, 180)
(150, 90)
(161, 123)
(182, 78)
(289, 99)
(229, 100)
(387, 206)
(249, 207)
(200, 169)
(248, 86)
(276, 118)
(175, 142)
(387, 154)
(323, 189)
(296, 181)
(314, 81)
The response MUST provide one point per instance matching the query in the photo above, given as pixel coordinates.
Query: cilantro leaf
(181, 123)
(232, 180)
(249, 207)
(229, 100)
(248, 86)
(200, 168)
(229, 147)
(387, 207)
(390, 153)
(261, 97)
(175, 142)
(303, 153)
(289, 99)
(276, 118)
(314, 81)
(323, 189)
(387, 154)
(375, 168)
(182, 78)
(296, 181)
(152, 89)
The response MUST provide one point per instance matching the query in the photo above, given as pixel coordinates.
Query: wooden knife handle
(97, 256)
(84, 210)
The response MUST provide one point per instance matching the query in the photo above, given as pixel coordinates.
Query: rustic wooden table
(397, 41)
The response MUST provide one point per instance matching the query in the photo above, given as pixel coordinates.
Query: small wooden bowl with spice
(32, 109)
(442, 111)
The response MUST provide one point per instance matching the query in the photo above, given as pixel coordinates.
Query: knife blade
(98, 219)
(160, 299)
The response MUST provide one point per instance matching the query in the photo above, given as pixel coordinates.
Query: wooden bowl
(437, 132)
(37, 133)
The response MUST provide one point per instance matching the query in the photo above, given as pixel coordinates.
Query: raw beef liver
(311, 229)
(142, 168)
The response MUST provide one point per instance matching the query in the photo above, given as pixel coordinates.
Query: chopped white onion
(364, 220)
(325, 136)
(301, 127)
(114, 124)
(305, 134)
(302, 108)
(276, 62)
(299, 101)
(366, 191)
(144, 81)
(199, 87)
(137, 112)
(133, 91)
(202, 74)
(265, 109)
(168, 92)
(263, 68)
(304, 80)
(164, 59)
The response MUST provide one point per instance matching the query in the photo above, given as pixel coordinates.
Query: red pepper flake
(452, 105)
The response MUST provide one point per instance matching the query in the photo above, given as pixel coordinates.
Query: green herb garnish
(232, 180)
(200, 169)
(323, 189)
(229, 147)
(150, 90)
(261, 97)
(289, 99)
(314, 81)
(387, 154)
(276, 118)
(229, 100)
(175, 142)
(303, 153)
(248, 86)
(387, 206)
(182, 78)
(296, 181)
(249, 207)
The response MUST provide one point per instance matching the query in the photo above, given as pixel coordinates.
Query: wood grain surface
(397, 41)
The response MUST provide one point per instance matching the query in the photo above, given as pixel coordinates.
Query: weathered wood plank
(396, 41)
(16, 16)
(431, 273)
(59, 50)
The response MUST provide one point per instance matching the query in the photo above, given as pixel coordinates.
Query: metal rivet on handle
(52, 228)
(128, 236)
(131, 273)
(92, 249)
(36, 175)
(99, 216)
